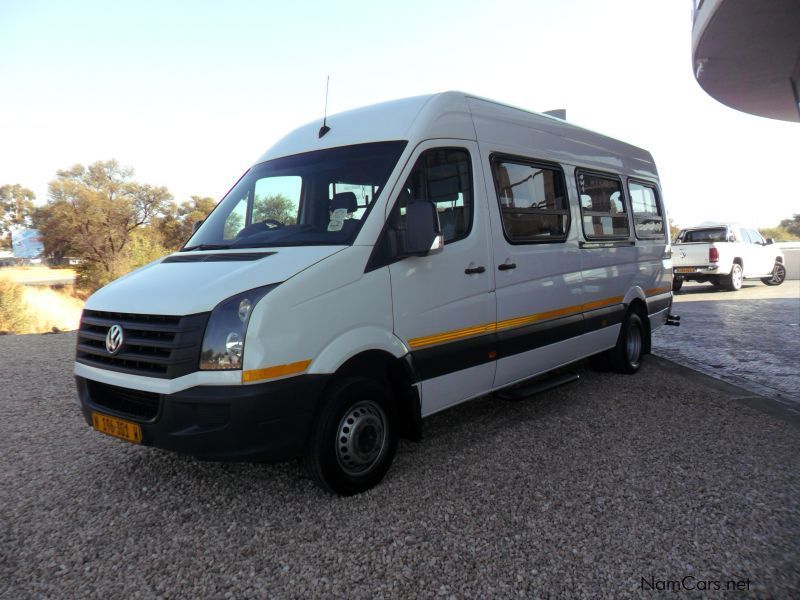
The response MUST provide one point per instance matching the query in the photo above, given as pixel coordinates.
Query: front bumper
(268, 421)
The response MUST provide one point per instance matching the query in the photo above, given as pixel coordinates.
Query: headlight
(223, 342)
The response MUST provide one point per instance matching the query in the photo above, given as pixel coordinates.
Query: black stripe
(603, 317)
(522, 339)
(654, 306)
(463, 354)
(453, 356)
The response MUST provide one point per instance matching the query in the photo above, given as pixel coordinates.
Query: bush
(14, 314)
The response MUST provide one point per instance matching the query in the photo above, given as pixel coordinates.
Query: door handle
(507, 266)
(475, 270)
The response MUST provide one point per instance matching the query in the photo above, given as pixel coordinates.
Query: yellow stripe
(657, 291)
(276, 371)
(458, 334)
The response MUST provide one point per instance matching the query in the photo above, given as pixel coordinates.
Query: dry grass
(36, 309)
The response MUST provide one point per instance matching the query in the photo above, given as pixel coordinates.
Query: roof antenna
(325, 129)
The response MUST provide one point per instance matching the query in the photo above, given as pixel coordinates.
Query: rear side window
(533, 201)
(648, 219)
(602, 206)
(442, 176)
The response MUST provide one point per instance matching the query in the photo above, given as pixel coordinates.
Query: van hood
(185, 283)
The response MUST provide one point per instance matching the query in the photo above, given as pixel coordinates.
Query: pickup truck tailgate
(690, 255)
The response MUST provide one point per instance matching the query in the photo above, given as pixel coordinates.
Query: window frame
(470, 176)
(625, 204)
(542, 164)
(659, 203)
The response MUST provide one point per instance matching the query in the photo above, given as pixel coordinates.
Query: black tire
(626, 356)
(778, 275)
(733, 282)
(677, 283)
(354, 436)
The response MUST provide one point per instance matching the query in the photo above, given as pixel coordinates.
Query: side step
(526, 390)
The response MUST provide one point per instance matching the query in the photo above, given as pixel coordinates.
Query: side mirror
(196, 226)
(423, 232)
(731, 237)
(770, 241)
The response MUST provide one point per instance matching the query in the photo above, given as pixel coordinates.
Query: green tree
(276, 207)
(92, 213)
(177, 223)
(792, 226)
(16, 208)
(674, 230)
(779, 234)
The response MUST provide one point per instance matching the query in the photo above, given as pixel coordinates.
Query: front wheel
(353, 439)
(778, 275)
(626, 356)
(677, 283)
(734, 281)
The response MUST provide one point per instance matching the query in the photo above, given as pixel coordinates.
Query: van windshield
(311, 199)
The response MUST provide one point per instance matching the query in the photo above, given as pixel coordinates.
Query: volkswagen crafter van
(407, 257)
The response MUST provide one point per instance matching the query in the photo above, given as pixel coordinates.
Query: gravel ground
(580, 492)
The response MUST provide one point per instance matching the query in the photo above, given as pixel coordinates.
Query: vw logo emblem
(682, 253)
(114, 339)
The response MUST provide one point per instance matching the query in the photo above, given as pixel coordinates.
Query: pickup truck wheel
(353, 439)
(734, 281)
(677, 283)
(778, 275)
(626, 356)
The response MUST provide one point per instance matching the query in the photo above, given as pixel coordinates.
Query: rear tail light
(713, 255)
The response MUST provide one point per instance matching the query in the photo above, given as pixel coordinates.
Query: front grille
(130, 403)
(162, 346)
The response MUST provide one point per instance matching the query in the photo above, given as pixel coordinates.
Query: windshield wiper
(206, 247)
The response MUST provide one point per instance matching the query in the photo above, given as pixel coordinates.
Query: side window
(442, 176)
(236, 220)
(648, 220)
(533, 201)
(277, 199)
(756, 237)
(602, 206)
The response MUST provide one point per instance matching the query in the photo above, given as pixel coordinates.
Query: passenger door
(763, 256)
(444, 305)
(537, 267)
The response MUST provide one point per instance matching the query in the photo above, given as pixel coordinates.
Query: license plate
(684, 270)
(117, 427)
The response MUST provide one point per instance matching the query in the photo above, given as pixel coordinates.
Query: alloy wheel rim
(361, 439)
(737, 277)
(778, 274)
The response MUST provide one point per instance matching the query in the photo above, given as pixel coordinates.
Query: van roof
(457, 115)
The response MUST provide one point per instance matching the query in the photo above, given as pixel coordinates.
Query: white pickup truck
(725, 255)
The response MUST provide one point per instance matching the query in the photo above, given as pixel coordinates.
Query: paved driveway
(750, 338)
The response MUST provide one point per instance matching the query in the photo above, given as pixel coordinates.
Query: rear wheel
(778, 275)
(734, 281)
(354, 439)
(677, 283)
(626, 356)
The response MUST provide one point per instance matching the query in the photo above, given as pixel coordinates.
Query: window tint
(441, 176)
(533, 201)
(602, 206)
(648, 220)
(716, 234)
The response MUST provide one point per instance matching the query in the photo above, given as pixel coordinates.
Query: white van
(403, 259)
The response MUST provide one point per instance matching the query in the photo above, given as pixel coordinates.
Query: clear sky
(190, 93)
